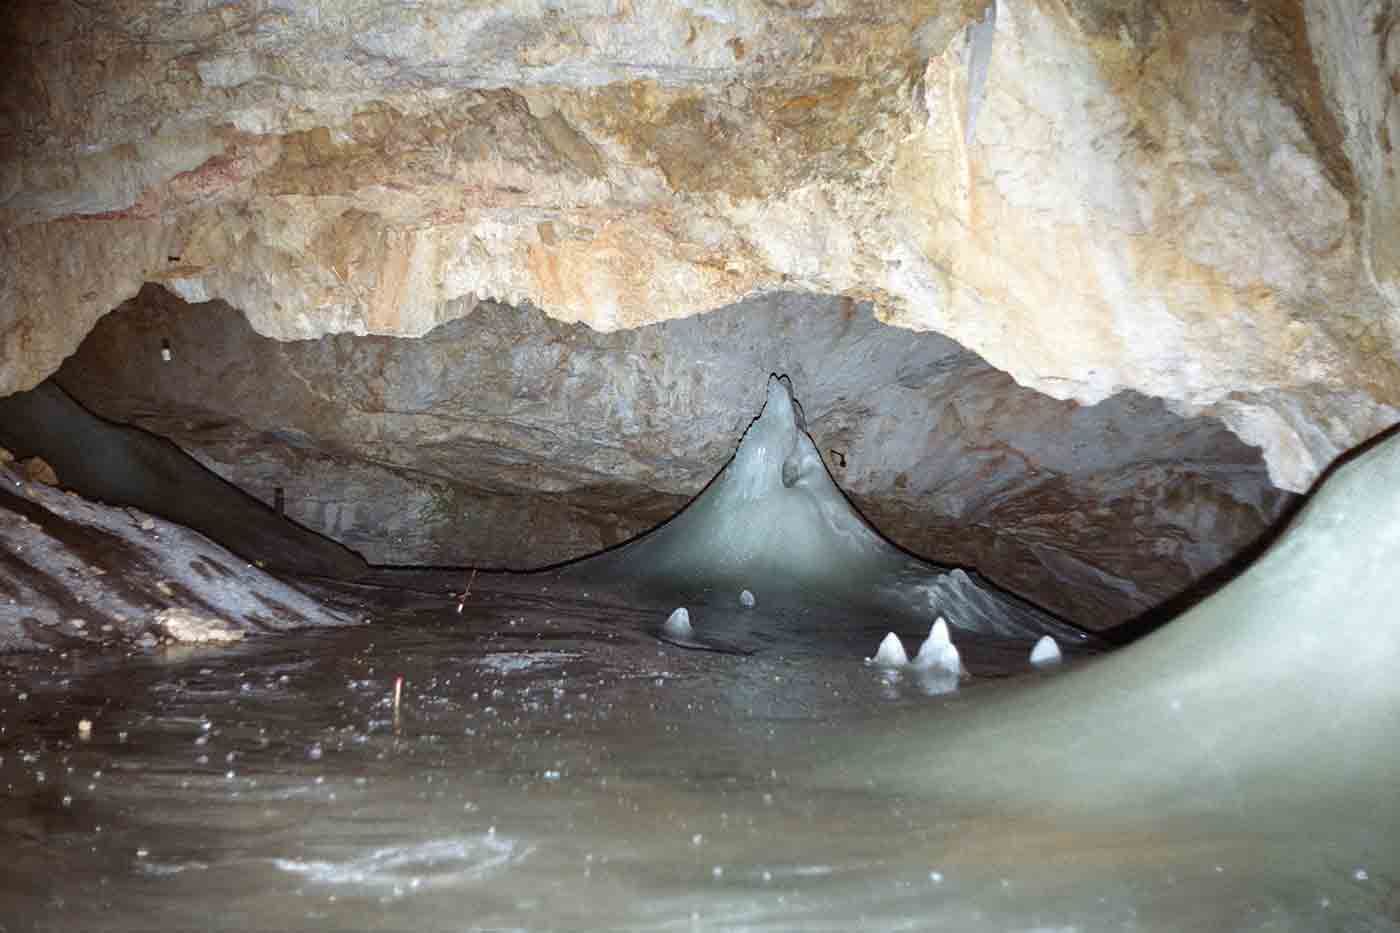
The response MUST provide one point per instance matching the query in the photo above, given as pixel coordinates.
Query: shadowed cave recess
(508, 440)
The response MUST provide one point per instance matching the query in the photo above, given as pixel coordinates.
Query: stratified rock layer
(512, 439)
(1193, 201)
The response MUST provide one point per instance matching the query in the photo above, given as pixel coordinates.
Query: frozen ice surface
(775, 514)
(1273, 701)
(1046, 652)
(890, 653)
(746, 599)
(678, 624)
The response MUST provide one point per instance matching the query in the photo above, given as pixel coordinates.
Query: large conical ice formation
(775, 514)
(890, 653)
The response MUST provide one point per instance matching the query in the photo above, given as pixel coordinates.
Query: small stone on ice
(1046, 652)
(891, 652)
(184, 625)
(678, 624)
(746, 599)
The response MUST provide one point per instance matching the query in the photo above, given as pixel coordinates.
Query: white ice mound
(938, 651)
(1046, 652)
(746, 599)
(678, 624)
(943, 657)
(775, 514)
(891, 652)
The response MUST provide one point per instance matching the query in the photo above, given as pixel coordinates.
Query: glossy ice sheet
(553, 765)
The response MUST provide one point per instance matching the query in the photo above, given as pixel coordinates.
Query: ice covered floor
(552, 765)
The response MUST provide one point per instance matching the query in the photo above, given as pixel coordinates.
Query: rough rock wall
(512, 439)
(1195, 201)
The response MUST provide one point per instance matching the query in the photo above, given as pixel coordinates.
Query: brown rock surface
(512, 439)
(1191, 201)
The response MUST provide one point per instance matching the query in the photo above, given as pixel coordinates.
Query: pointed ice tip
(891, 653)
(938, 634)
(678, 624)
(1046, 652)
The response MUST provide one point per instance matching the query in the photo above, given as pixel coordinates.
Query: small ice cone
(938, 651)
(1046, 652)
(678, 625)
(891, 652)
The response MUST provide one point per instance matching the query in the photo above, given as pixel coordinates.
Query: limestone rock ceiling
(512, 439)
(1193, 201)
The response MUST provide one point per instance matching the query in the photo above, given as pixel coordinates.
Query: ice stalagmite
(890, 653)
(938, 651)
(1046, 652)
(678, 625)
(775, 514)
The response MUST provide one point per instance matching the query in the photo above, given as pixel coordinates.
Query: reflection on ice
(509, 662)
(437, 863)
